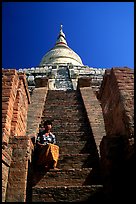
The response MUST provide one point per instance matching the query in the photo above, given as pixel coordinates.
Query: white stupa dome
(61, 53)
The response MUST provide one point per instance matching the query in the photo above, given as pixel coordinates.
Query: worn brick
(15, 99)
(115, 100)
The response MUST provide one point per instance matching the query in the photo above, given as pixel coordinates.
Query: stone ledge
(88, 96)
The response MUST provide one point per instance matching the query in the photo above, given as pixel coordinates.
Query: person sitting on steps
(47, 150)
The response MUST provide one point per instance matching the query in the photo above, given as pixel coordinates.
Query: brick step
(60, 99)
(62, 91)
(59, 93)
(64, 99)
(82, 147)
(68, 112)
(63, 103)
(72, 135)
(69, 128)
(62, 94)
(67, 161)
(63, 108)
(66, 109)
(62, 177)
(63, 111)
(64, 119)
(72, 193)
(64, 114)
(61, 114)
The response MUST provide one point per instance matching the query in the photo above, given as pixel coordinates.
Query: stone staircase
(78, 177)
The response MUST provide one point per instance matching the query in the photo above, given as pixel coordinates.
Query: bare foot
(55, 168)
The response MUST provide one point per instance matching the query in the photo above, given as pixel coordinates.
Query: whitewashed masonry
(62, 66)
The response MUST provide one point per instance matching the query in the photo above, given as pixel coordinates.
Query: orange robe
(48, 155)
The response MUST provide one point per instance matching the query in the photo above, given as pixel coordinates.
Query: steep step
(65, 177)
(74, 136)
(64, 113)
(64, 105)
(70, 127)
(68, 119)
(66, 147)
(78, 176)
(63, 94)
(52, 115)
(66, 125)
(68, 194)
(69, 112)
(61, 99)
(76, 161)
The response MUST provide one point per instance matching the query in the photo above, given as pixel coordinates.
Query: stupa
(62, 66)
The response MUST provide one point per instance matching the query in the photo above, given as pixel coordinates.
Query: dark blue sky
(101, 33)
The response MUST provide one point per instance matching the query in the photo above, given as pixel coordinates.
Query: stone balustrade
(75, 72)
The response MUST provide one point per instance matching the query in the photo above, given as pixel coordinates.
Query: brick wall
(19, 119)
(21, 157)
(117, 99)
(6, 161)
(15, 100)
(10, 83)
(116, 95)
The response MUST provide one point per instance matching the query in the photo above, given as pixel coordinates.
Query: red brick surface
(117, 100)
(110, 115)
(9, 86)
(6, 161)
(15, 100)
(117, 147)
(35, 110)
(94, 113)
(17, 179)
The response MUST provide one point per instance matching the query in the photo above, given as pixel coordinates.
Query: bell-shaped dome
(61, 53)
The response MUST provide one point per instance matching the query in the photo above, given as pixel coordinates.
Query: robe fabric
(48, 155)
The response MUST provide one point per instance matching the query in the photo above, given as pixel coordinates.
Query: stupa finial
(61, 26)
(61, 37)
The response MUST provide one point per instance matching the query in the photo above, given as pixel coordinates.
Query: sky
(101, 33)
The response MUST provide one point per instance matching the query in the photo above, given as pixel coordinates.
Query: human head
(47, 125)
